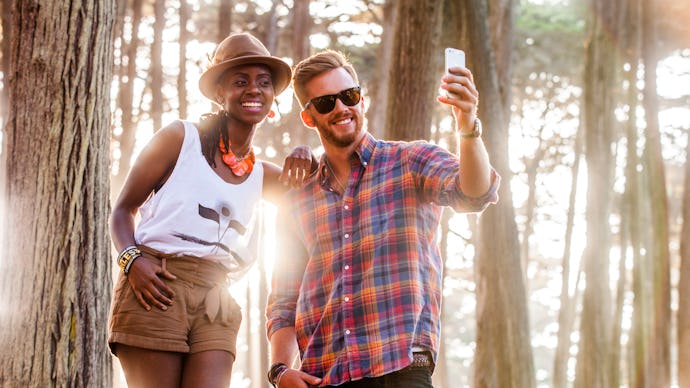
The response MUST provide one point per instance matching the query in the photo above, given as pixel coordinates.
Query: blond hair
(315, 65)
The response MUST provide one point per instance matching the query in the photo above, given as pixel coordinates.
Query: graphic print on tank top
(240, 255)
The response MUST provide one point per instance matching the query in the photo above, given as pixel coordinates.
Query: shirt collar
(362, 155)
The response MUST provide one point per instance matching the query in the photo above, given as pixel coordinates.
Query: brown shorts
(203, 316)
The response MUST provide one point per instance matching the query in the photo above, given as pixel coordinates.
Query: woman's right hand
(146, 279)
(298, 166)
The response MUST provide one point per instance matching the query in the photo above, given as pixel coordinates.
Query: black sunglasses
(325, 104)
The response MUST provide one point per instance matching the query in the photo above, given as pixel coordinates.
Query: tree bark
(5, 23)
(566, 313)
(224, 19)
(414, 70)
(56, 275)
(376, 120)
(501, 28)
(599, 84)
(440, 376)
(660, 336)
(503, 356)
(125, 101)
(299, 43)
(156, 69)
(182, 60)
(684, 284)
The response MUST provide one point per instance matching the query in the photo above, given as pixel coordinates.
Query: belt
(422, 360)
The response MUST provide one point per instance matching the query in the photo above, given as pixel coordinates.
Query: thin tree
(56, 267)
(378, 88)
(595, 335)
(182, 59)
(301, 23)
(660, 334)
(503, 356)
(4, 55)
(684, 282)
(125, 98)
(568, 302)
(156, 69)
(5, 39)
(224, 19)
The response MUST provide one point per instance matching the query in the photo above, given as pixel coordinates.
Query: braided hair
(212, 130)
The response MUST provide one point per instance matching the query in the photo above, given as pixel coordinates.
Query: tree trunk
(56, 277)
(5, 24)
(503, 356)
(440, 376)
(5, 20)
(566, 313)
(272, 29)
(125, 101)
(501, 29)
(301, 29)
(378, 93)
(684, 284)
(224, 19)
(599, 84)
(532, 172)
(156, 69)
(630, 202)
(660, 339)
(182, 60)
(264, 285)
(414, 70)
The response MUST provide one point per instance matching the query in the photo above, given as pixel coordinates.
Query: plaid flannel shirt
(359, 275)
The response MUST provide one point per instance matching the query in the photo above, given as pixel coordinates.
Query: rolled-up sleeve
(437, 173)
(466, 204)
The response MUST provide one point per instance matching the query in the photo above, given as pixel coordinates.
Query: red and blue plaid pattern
(359, 276)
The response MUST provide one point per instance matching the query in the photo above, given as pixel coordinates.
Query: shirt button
(347, 332)
(347, 267)
(347, 235)
(347, 207)
(347, 299)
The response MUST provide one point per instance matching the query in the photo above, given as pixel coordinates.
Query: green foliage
(549, 39)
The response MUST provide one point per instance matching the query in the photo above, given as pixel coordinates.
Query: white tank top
(197, 213)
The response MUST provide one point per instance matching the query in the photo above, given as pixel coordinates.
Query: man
(357, 285)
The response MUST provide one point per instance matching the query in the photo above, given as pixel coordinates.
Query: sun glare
(673, 76)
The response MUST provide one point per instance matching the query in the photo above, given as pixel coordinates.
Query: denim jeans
(417, 377)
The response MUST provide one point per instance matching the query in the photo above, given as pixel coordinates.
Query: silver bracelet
(280, 376)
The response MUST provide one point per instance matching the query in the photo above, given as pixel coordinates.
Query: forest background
(578, 277)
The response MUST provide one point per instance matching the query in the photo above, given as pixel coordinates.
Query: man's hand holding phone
(459, 90)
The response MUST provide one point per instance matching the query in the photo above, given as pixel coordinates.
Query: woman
(173, 322)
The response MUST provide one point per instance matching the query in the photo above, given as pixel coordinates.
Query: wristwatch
(476, 131)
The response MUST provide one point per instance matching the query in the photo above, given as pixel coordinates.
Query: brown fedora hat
(242, 49)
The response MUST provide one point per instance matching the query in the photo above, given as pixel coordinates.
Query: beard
(338, 139)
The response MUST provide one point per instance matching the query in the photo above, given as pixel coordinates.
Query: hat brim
(280, 71)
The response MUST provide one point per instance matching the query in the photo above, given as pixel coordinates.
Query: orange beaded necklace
(238, 166)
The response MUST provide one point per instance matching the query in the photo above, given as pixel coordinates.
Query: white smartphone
(454, 58)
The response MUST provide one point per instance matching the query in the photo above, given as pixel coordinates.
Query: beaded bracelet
(126, 258)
